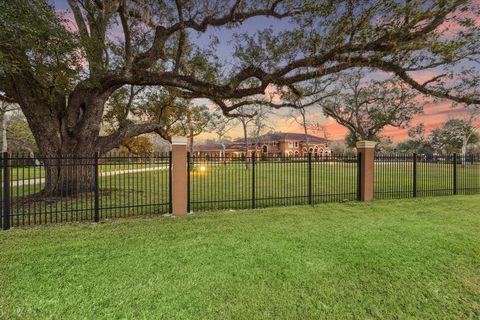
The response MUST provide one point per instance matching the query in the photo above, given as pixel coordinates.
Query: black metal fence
(420, 175)
(55, 190)
(254, 182)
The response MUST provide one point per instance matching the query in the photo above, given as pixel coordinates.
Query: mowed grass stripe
(389, 259)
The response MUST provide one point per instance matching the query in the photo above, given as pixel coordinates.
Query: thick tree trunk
(67, 131)
(68, 177)
(70, 169)
(67, 136)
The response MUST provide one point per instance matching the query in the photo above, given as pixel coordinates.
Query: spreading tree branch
(107, 143)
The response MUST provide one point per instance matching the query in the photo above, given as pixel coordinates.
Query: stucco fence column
(366, 151)
(179, 176)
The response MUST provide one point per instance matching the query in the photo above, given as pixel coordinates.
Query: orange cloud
(422, 76)
(435, 114)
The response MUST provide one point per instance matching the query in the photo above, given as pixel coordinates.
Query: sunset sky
(435, 113)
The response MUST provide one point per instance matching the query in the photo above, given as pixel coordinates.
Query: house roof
(207, 147)
(216, 147)
(237, 145)
(301, 137)
(290, 136)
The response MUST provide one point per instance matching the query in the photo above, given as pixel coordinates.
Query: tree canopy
(62, 72)
(365, 108)
(449, 138)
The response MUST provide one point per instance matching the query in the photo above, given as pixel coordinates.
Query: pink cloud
(435, 114)
(451, 27)
(273, 94)
(69, 20)
(422, 76)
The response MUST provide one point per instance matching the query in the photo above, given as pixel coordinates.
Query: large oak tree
(62, 73)
(365, 107)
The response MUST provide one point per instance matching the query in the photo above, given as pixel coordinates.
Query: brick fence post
(179, 176)
(366, 150)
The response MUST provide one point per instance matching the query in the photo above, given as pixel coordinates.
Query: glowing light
(203, 168)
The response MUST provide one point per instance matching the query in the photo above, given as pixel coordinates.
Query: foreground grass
(389, 259)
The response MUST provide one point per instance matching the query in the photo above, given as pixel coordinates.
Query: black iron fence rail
(255, 182)
(72, 189)
(421, 175)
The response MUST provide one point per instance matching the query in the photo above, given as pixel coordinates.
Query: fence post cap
(365, 144)
(179, 141)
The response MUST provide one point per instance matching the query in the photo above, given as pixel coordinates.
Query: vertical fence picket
(455, 174)
(414, 178)
(96, 190)
(189, 158)
(359, 175)
(6, 193)
(253, 181)
(310, 178)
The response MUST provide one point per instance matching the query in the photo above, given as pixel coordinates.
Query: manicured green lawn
(388, 259)
(432, 179)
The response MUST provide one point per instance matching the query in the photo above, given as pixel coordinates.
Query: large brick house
(276, 144)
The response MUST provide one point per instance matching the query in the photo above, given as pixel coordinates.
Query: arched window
(264, 149)
(297, 153)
